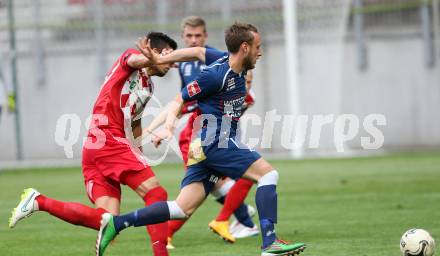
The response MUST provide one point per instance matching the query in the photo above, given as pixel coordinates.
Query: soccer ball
(417, 242)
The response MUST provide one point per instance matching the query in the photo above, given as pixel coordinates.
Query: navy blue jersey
(220, 92)
(188, 71)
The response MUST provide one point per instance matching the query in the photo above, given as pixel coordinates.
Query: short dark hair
(160, 41)
(237, 34)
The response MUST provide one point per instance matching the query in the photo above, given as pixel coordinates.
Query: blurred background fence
(354, 56)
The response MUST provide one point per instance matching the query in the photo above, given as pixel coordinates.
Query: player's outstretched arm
(174, 111)
(185, 54)
(138, 61)
(158, 121)
(147, 58)
(180, 55)
(149, 132)
(175, 108)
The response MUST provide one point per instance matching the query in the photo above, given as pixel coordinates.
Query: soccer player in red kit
(110, 157)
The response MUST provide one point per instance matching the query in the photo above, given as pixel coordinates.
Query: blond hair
(193, 21)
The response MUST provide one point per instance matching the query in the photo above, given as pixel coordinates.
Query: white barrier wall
(396, 84)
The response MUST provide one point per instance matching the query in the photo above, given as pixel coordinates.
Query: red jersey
(123, 96)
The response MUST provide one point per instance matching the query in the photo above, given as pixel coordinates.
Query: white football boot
(26, 206)
(236, 225)
(241, 231)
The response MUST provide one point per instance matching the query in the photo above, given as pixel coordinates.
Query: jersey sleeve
(124, 59)
(205, 85)
(211, 55)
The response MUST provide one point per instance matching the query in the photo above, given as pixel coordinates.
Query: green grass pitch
(338, 207)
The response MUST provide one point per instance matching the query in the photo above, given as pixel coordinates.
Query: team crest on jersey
(193, 88)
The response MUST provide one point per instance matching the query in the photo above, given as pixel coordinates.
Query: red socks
(74, 213)
(158, 232)
(234, 198)
(174, 226)
(79, 214)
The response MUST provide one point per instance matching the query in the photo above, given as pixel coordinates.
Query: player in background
(110, 158)
(220, 91)
(7, 96)
(194, 34)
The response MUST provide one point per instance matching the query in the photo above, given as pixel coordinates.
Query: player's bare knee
(265, 166)
(114, 212)
(109, 204)
(257, 170)
(147, 186)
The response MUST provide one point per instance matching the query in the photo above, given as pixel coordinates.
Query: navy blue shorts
(215, 162)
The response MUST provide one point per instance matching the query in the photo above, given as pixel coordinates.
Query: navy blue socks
(266, 199)
(155, 213)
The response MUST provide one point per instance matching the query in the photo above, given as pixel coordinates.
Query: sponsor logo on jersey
(193, 88)
(231, 84)
(188, 70)
(233, 107)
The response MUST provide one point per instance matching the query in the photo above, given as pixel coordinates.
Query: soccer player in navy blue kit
(220, 91)
(194, 34)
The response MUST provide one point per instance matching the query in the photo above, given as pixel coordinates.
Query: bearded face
(249, 62)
